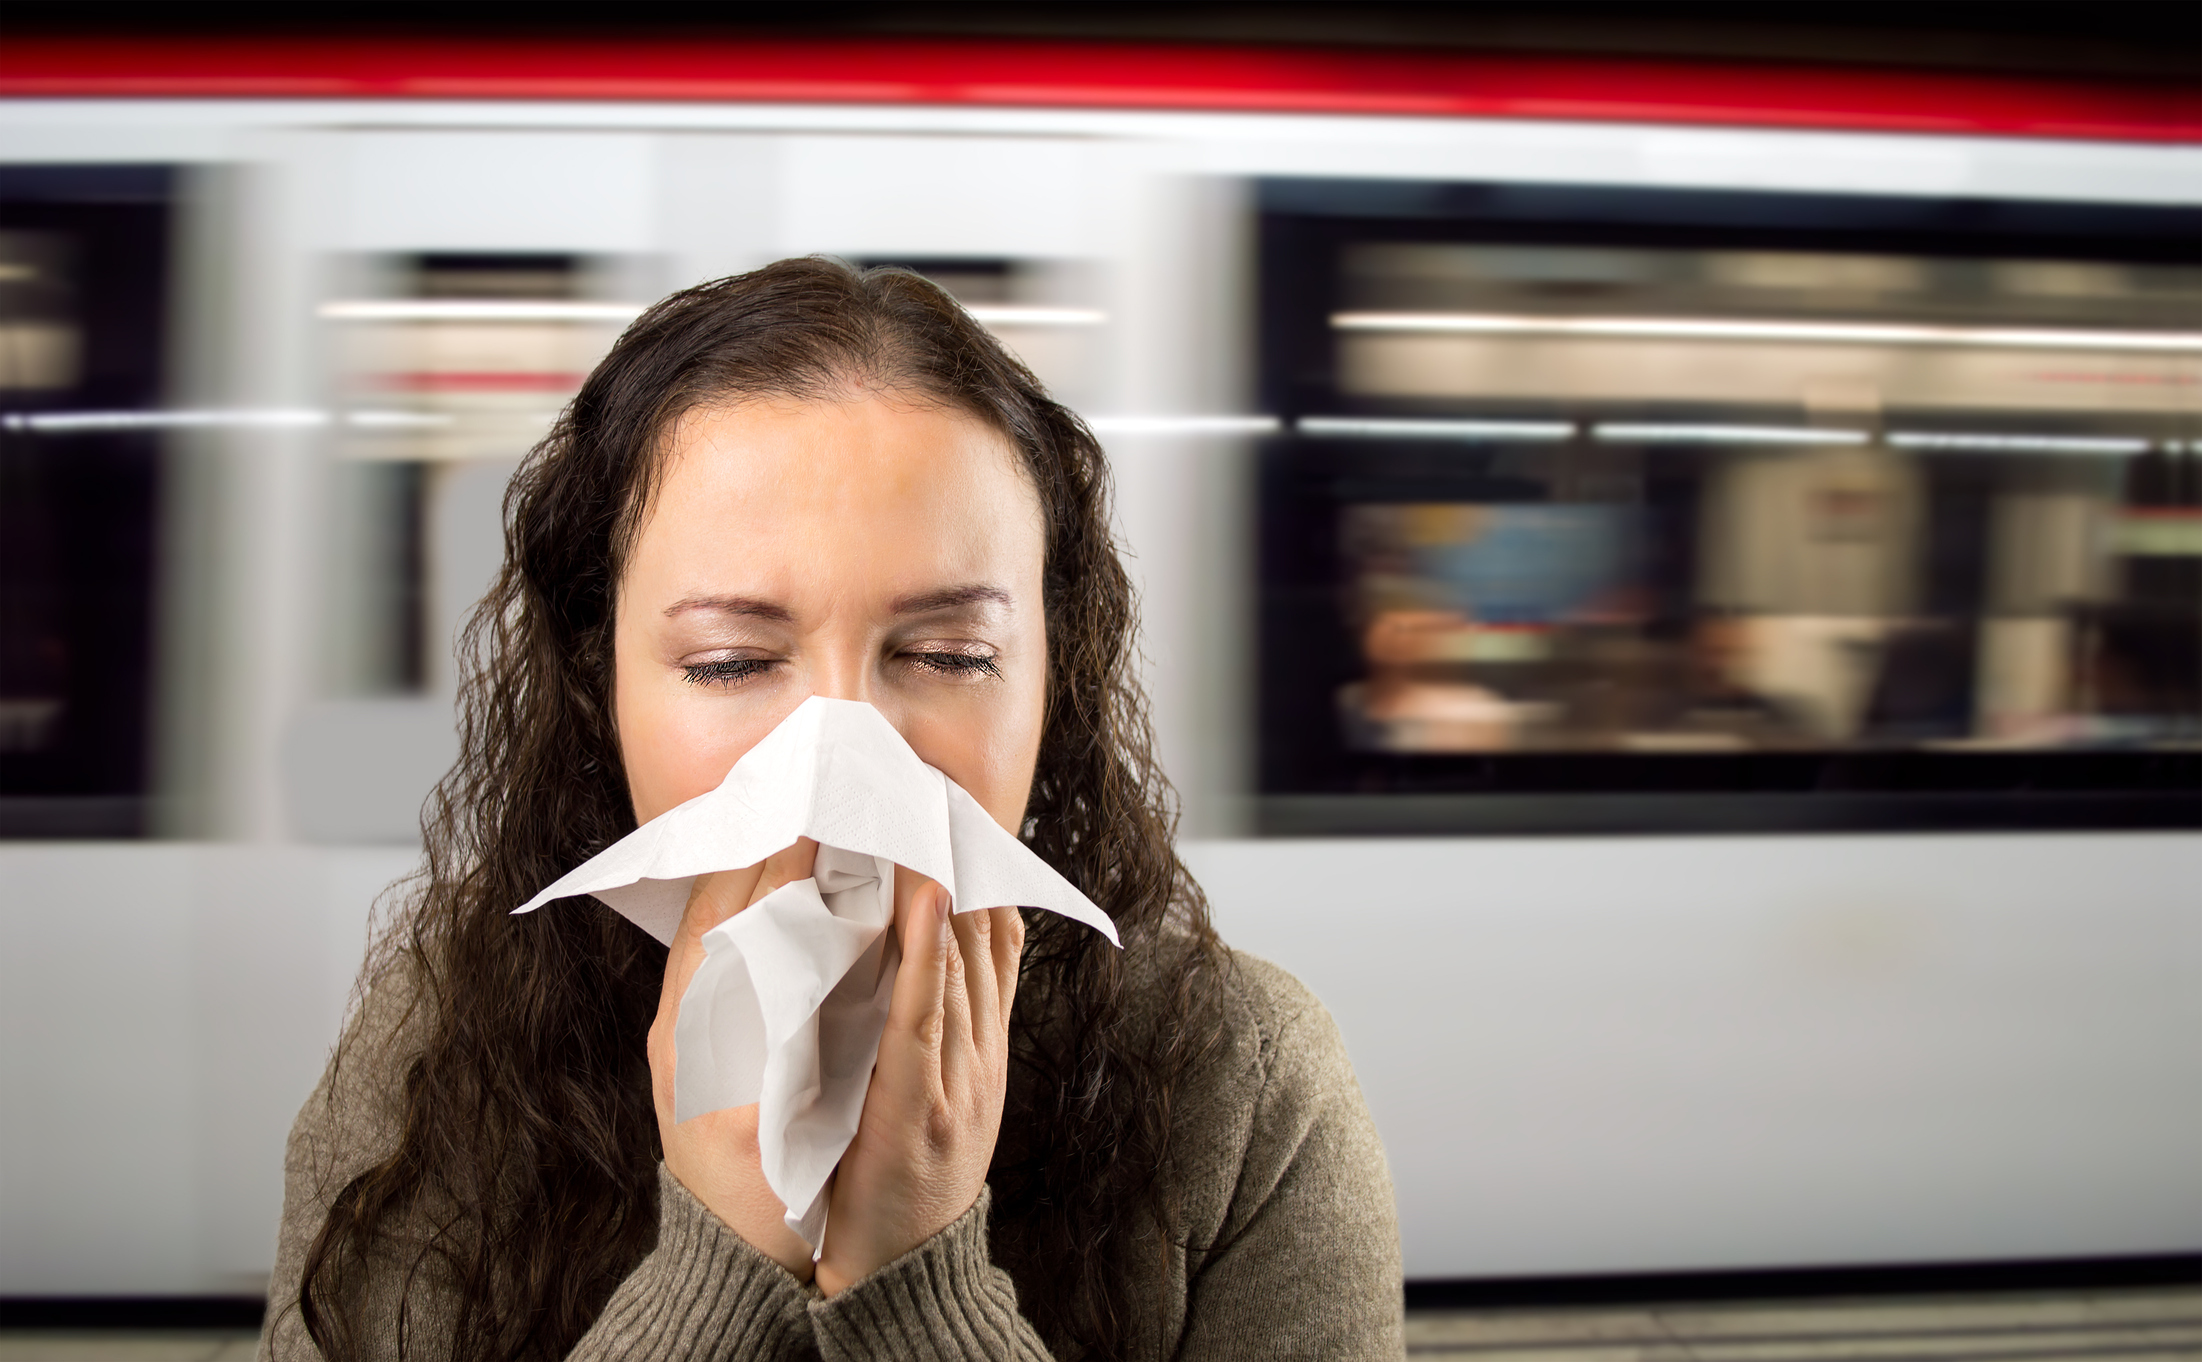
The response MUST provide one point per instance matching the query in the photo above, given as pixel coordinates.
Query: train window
(378, 626)
(1637, 510)
(83, 293)
(439, 359)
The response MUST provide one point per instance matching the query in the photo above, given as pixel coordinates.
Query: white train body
(1586, 1054)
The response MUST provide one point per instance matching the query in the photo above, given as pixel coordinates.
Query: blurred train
(1673, 596)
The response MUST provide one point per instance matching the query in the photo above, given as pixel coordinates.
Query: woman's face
(867, 549)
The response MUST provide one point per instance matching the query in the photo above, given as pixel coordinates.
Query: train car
(1670, 592)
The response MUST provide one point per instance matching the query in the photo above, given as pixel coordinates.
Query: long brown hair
(524, 1181)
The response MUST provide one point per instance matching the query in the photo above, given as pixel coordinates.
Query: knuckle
(930, 1028)
(940, 1127)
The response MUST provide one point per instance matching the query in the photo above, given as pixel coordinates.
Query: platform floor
(2132, 1326)
(2156, 1325)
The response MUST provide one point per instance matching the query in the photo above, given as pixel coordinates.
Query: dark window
(83, 291)
(1609, 509)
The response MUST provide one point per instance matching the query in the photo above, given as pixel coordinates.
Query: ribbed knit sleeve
(703, 1292)
(941, 1302)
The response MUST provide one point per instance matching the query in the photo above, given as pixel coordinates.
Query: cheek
(675, 744)
(990, 748)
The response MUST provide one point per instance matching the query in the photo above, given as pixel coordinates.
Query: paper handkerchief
(787, 1007)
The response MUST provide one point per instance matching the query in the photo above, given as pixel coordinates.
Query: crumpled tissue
(787, 1007)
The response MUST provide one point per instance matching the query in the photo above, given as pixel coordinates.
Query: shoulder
(1270, 1101)
(1268, 1033)
(355, 1114)
(1286, 1057)
(1284, 1018)
(351, 1122)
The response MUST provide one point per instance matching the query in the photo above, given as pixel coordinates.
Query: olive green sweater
(1287, 1207)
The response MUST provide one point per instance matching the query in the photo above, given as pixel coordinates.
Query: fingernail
(940, 906)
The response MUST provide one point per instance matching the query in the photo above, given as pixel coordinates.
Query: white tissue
(788, 1005)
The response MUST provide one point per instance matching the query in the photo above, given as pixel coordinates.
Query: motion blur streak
(1633, 557)
(1696, 328)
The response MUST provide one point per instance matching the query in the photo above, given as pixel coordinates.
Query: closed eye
(955, 664)
(725, 671)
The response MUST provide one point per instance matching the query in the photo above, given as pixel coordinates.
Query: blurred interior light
(2018, 444)
(1656, 432)
(1008, 314)
(1718, 328)
(1410, 428)
(398, 420)
(1184, 425)
(476, 310)
(63, 422)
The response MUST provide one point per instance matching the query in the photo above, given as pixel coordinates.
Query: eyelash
(957, 664)
(725, 671)
(730, 670)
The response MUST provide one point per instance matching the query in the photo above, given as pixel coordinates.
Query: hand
(715, 1155)
(934, 1108)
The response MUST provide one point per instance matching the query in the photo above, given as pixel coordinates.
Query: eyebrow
(733, 605)
(950, 598)
(923, 603)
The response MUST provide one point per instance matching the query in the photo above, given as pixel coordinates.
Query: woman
(810, 480)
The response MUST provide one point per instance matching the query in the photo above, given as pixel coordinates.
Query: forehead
(870, 485)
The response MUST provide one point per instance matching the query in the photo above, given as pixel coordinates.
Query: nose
(854, 675)
(850, 666)
(845, 664)
(842, 659)
(842, 670)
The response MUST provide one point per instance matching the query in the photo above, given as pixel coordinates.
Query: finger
(714, 898)
(785, 867)
(711, 900)
(914, 1013)
(658, 1048)
(959, 1013)
(975, 943)
(910, 889)
(1009, 954)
